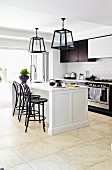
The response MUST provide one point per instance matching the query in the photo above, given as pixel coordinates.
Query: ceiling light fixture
(36, 44)
(62, 39)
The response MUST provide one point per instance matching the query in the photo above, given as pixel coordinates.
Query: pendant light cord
(63, 19)
(36, 31)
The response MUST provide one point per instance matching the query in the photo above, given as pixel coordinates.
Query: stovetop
(100, 80)
(103, 80)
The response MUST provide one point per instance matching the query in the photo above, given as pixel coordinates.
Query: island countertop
(47, 87)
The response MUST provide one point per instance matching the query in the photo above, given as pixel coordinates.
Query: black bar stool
(24, 92)
(20, 98)
(31, 112)
(16, 87)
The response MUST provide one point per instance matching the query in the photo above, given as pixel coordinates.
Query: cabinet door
(80, 109)
(78, 54)
(74, 53)
(100, 47)
(83, 50)
(64, 56)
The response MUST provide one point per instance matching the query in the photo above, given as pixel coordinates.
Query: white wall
(22, 34)
(76, 67)
(101, 68)
(14, 44)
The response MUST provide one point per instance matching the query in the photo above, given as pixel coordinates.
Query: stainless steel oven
(103, 102)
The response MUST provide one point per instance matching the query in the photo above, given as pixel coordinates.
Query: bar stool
(31, 112)
(24, 91)
(20, 98)
(16, 87)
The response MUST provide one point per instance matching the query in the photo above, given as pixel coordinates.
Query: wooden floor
(87, 148)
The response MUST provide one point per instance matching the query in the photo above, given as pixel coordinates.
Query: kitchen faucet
(35, 72)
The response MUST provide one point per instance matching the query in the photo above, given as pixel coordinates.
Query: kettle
(67, 75)
(81, 76)
(52, 82)
(73, 75)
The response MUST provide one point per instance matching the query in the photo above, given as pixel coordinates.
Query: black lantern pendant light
(36, 44)
(62, 39)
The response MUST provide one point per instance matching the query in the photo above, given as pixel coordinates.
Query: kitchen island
(66, 109)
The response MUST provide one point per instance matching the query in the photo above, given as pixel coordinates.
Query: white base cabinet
(67, 110)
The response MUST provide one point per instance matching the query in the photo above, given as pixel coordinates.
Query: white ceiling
(82, 15)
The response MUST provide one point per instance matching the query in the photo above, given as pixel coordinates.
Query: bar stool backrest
(25, 91)
(27, 97)
(16, 86)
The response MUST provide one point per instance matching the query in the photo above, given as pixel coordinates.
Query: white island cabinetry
(67, 108)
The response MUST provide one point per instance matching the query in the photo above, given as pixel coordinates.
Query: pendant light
(36, 44)
(62, 39)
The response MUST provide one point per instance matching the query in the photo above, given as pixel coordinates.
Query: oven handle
(103, 88)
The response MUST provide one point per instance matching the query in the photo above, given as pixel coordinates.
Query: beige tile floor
(88, 148)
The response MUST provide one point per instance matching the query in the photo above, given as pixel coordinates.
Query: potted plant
(3, 74)
(24, 75)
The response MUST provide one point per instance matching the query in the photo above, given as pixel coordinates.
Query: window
(14, 61)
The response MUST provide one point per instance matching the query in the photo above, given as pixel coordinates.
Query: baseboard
(100, 110)
(68, 127)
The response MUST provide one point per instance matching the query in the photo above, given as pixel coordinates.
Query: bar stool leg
(43, 116)
(14, 110)
(27, 121)
(19, 109)
(26, 112)
(33, 110)
(39, 112)
(15, 105)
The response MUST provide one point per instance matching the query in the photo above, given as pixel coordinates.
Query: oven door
(104, 98)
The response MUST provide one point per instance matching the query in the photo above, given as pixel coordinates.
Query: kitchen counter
(85, 81)
(66, 109)
(47, 87)
(73, 80)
